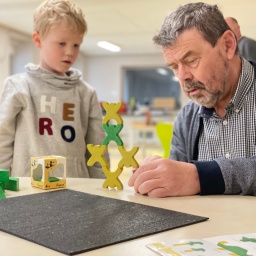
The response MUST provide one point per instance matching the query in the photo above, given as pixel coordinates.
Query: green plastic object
(2, 194)
(4, 175)
(164, 132)
(2, 185)
(51, 179)
(12, 184)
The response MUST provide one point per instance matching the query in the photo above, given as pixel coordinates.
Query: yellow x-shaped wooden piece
(112, 180)
(111, 112)
(128, 157)
(97, 154)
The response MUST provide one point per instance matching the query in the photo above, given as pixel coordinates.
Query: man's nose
(184, 74)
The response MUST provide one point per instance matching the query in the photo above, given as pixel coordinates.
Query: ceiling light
(108, 46)
(162, 71)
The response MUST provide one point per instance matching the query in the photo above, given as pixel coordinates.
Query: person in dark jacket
(246, 45)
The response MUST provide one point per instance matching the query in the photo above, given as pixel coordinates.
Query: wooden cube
(48, 172)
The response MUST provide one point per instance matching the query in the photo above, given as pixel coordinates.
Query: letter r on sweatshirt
(45, 124)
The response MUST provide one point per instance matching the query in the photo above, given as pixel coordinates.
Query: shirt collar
(245, 82)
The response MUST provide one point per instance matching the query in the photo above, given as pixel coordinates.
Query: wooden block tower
(112, 134)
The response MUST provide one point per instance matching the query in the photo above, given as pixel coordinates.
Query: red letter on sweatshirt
(45, 123)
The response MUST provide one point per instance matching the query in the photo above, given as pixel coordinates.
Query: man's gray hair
(206, 18)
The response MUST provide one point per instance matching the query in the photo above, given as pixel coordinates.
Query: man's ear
(36, 39)
(230, 43)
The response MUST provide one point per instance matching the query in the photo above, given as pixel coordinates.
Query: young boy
(49, 110)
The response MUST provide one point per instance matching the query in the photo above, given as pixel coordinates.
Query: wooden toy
(112, 134)
(128, 159)
(12, 184)
(112, 112)
(2, 186)
(2, 194)
(7, 182)
(48, 172)
(4, 175)
(112, 180)
(97, 152)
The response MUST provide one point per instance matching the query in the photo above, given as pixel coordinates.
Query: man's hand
(161, 177)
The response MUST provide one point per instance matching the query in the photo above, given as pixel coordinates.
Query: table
(227, 215)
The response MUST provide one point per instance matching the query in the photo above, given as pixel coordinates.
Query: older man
(213, 146)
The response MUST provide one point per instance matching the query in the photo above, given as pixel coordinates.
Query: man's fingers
(133, 178)
(144, 185)
(159, 192)
(144, 167)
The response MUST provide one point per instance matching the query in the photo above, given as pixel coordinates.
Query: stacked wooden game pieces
(98, 151)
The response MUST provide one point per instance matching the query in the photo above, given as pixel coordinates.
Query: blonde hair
(53, 12)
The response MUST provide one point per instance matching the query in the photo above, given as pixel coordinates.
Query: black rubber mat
(73, 222)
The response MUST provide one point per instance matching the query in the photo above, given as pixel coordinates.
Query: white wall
(15, 51)
(5, 54)
(24, 53)
(106, 74)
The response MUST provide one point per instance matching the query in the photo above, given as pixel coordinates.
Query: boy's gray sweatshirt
(43, 114)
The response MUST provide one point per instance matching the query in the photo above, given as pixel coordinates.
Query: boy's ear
(36, 39)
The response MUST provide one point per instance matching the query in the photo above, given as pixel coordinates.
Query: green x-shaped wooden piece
(112, 134)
